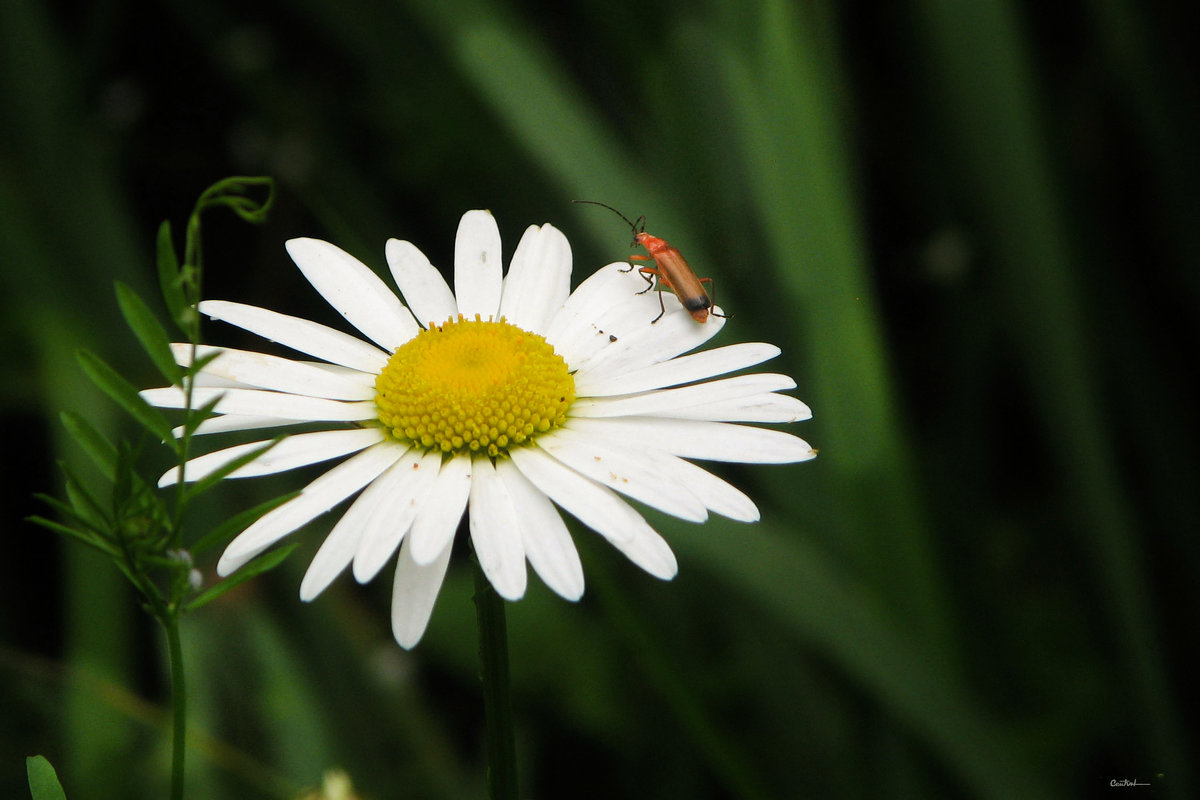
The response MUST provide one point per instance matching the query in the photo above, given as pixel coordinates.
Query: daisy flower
(504, 398)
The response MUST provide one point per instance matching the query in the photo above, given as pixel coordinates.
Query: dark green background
(973, 229)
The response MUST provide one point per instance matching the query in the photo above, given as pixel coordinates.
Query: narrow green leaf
(208, 481)
(99, 449)
(258, 566)
(84, 504)
(80, 535)
(237, 523)
(123, 482)
(200, 362)
(149, 332)
(86, 520)
(126, 396)
(169, 280)
(198, 415)
(43, 780)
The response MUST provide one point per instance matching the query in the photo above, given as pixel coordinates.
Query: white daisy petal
(674, 372)
(538, 280)
(357, 376)
(340, 546)
(708, 441)
(423, 287)
(629, 472)
(255, 402)
(337, 551)
(354, 291)
(766, 407)
(315, 499)
(666, 400)
(477, 265)
(548, 545)
(718, 495)
(405, 487)
(596, 506)
(644, 342)
(297, 450)
(629, 323)
(206, 379)
(233, 422)
(371, 515)
(438, 519)
(299, 334)
(573, 330)
(414, 591)
(495, 531)
(278, 374)
(650, 552)
(675, 475)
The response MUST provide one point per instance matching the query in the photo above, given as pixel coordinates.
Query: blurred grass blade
(524, 86)
(800, 180)
(818, 604)
(991, 111)
(724, 753)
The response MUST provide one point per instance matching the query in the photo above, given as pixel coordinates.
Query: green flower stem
(178, 706)
(497, 702)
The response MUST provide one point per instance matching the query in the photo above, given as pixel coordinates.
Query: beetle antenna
(632, 226)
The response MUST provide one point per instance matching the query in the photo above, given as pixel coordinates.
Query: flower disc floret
(473, 386)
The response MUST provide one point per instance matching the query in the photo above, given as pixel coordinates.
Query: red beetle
(670, 268)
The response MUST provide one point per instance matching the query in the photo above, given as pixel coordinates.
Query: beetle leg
(646, 272)
(636, 258)
(662, 307)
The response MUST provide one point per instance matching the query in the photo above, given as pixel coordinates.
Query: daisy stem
(497, 702)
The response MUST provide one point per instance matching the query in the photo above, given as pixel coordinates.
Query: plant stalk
(497, 700)
(178, 706)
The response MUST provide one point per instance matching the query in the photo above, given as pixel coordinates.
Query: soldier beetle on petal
(670, 268)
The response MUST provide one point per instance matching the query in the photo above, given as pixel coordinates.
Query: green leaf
(86, 507)
(120, 390)
(126, 482)
(169, 281)
(258, 566)
(80, 535)
(208, 481)
(149, 332)
(86, 520)
(43, 780)
(198, 363)
(198, 415)
(238, 523)
(99, 449)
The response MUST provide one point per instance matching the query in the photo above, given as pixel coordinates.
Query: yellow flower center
(470, 385)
